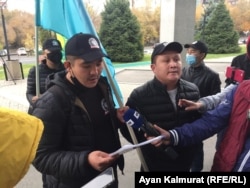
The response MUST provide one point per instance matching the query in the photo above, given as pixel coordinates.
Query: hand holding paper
(129, 147)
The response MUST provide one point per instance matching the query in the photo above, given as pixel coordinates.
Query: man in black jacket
(207, 80)
(242, 62)
(51, 63)
(80, 119)
(157, 101)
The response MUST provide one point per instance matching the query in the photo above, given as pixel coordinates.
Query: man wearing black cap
(207, 80)
(80, 119)
(51, 63)
(157, 101)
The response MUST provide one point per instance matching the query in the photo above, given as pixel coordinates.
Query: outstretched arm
(209, 124)
(206, 103)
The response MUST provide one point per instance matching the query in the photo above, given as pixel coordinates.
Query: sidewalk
(220, 60)
(13, 95)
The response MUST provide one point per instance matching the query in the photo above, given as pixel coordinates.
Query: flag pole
(131, 131)
(37, 17)
(37, 62)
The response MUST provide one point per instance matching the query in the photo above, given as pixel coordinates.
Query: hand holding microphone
(137, 121)
(166, 137)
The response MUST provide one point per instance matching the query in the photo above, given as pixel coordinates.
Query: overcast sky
(29, 5)
(25, 5)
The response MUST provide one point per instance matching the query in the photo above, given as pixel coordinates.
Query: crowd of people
(81, 124)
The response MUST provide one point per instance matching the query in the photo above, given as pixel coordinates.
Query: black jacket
(44, 71)
(69, 134)
(152, 100)
(242, 62)
(207, 80)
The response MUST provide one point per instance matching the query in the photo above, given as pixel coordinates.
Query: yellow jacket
(19, 137)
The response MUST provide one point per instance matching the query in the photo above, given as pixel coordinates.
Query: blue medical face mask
(190, 59)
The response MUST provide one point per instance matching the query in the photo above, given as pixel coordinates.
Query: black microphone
(137, 121)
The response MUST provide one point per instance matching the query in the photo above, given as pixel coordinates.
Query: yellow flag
(63, 41)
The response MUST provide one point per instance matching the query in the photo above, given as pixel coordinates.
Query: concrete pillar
(177, 21)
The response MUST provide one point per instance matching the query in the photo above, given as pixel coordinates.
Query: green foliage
(120, 32)
(200, 26)
(219, 34)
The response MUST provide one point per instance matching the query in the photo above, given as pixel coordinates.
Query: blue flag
(68, 17)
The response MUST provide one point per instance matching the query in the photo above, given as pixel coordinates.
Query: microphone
(137, 121)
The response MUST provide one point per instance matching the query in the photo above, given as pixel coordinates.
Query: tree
(94, 16)
(240, 13)
(150, 23)
(206, 11)
(20, 29)
(120, 32)
(219, 34)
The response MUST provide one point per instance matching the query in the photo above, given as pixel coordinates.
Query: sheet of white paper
(130, 147)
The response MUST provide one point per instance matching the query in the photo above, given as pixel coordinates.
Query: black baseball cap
(198, 45)
(85, 46)
(166, 46)
(52, 45)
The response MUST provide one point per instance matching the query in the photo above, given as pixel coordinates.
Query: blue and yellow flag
(68, 17)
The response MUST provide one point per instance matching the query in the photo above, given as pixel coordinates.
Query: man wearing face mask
(207, 80)
(242, 62)
(51, 63)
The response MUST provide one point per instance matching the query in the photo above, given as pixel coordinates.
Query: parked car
(3, 53)
(21, 51)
